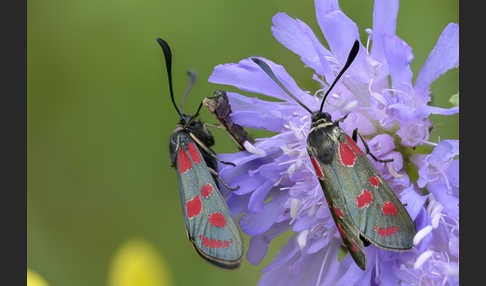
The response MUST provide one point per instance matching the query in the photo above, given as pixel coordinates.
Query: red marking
(200, 237)
(226, 244)
(355, 147)
(194, 153)
(217, 219)
(364, 199)
(220, 244)
(328, 203)
(347, 156)
(317, 168)
(389, 208)
(383, 232)
(206, 190)
(193, 207)
(206, 242)
(354, 247)
(375, 181)
(338, 212)
(341, 231)
(213, 243)
(183, 161)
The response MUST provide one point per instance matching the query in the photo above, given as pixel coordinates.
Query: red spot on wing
(194, 153)
(347, 156)
(355, 147)
(206, 190)
(387, 231)
(226, 244)
(193, 207)
(213, 243)
(317, 168)
(389, 208)
(328, 203)
(375, 181)
(338, 212)
(364, 199)
(219, 244)
(341, 230)
(354, 247)
(206, 241)
(217, 219)
(183, 161)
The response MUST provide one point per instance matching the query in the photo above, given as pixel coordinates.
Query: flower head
(279, 190)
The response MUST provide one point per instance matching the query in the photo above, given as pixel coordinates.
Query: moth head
(320, 117)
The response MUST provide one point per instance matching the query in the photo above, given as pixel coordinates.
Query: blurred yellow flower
(34, 279)
(137, 263)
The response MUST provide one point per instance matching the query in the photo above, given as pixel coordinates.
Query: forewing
(371, 204)
(208, 221)
(348, 233)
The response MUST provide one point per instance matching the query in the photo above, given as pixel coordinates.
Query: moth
(363, 206)
(208, 221)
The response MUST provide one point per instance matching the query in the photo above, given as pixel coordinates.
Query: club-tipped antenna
(192, 79)
(270, 73)
(168, 62)
(352, 55)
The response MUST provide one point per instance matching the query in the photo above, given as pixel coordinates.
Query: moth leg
(354, 136)
(210, 152)
(341, 119)
(214, 173)
(215, 125)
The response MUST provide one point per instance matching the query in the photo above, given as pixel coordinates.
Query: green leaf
(454, 100)
(342, 252)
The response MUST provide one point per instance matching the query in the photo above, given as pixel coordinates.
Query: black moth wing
(369, 203)
(209, 223)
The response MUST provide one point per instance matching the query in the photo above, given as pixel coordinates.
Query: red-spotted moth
(363, 206)
(209, 224)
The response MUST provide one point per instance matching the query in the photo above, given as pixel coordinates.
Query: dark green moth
(363, 206)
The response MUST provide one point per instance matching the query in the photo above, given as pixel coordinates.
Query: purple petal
(259, 244)
(398, 56)
(384, 23)
(414, 201)
(442, 111)
(444, 56)
(388, 277)
(253, 224)
(358, 120)
(304, 223)
(285, 254)
(450, 203)
(381, 144)
(452, 173)
(248, 76)
(300, 39)
(257, 198)
(237, 204)
(253, 112)
(340, 33)
(318, 245)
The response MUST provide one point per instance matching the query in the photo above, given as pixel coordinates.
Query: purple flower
(278, 187)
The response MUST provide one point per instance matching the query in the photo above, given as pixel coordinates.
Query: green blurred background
(99, 118)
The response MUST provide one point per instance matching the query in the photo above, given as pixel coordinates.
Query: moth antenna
(352, 55)
(270, 73)
(192, 79)
(168, 62)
